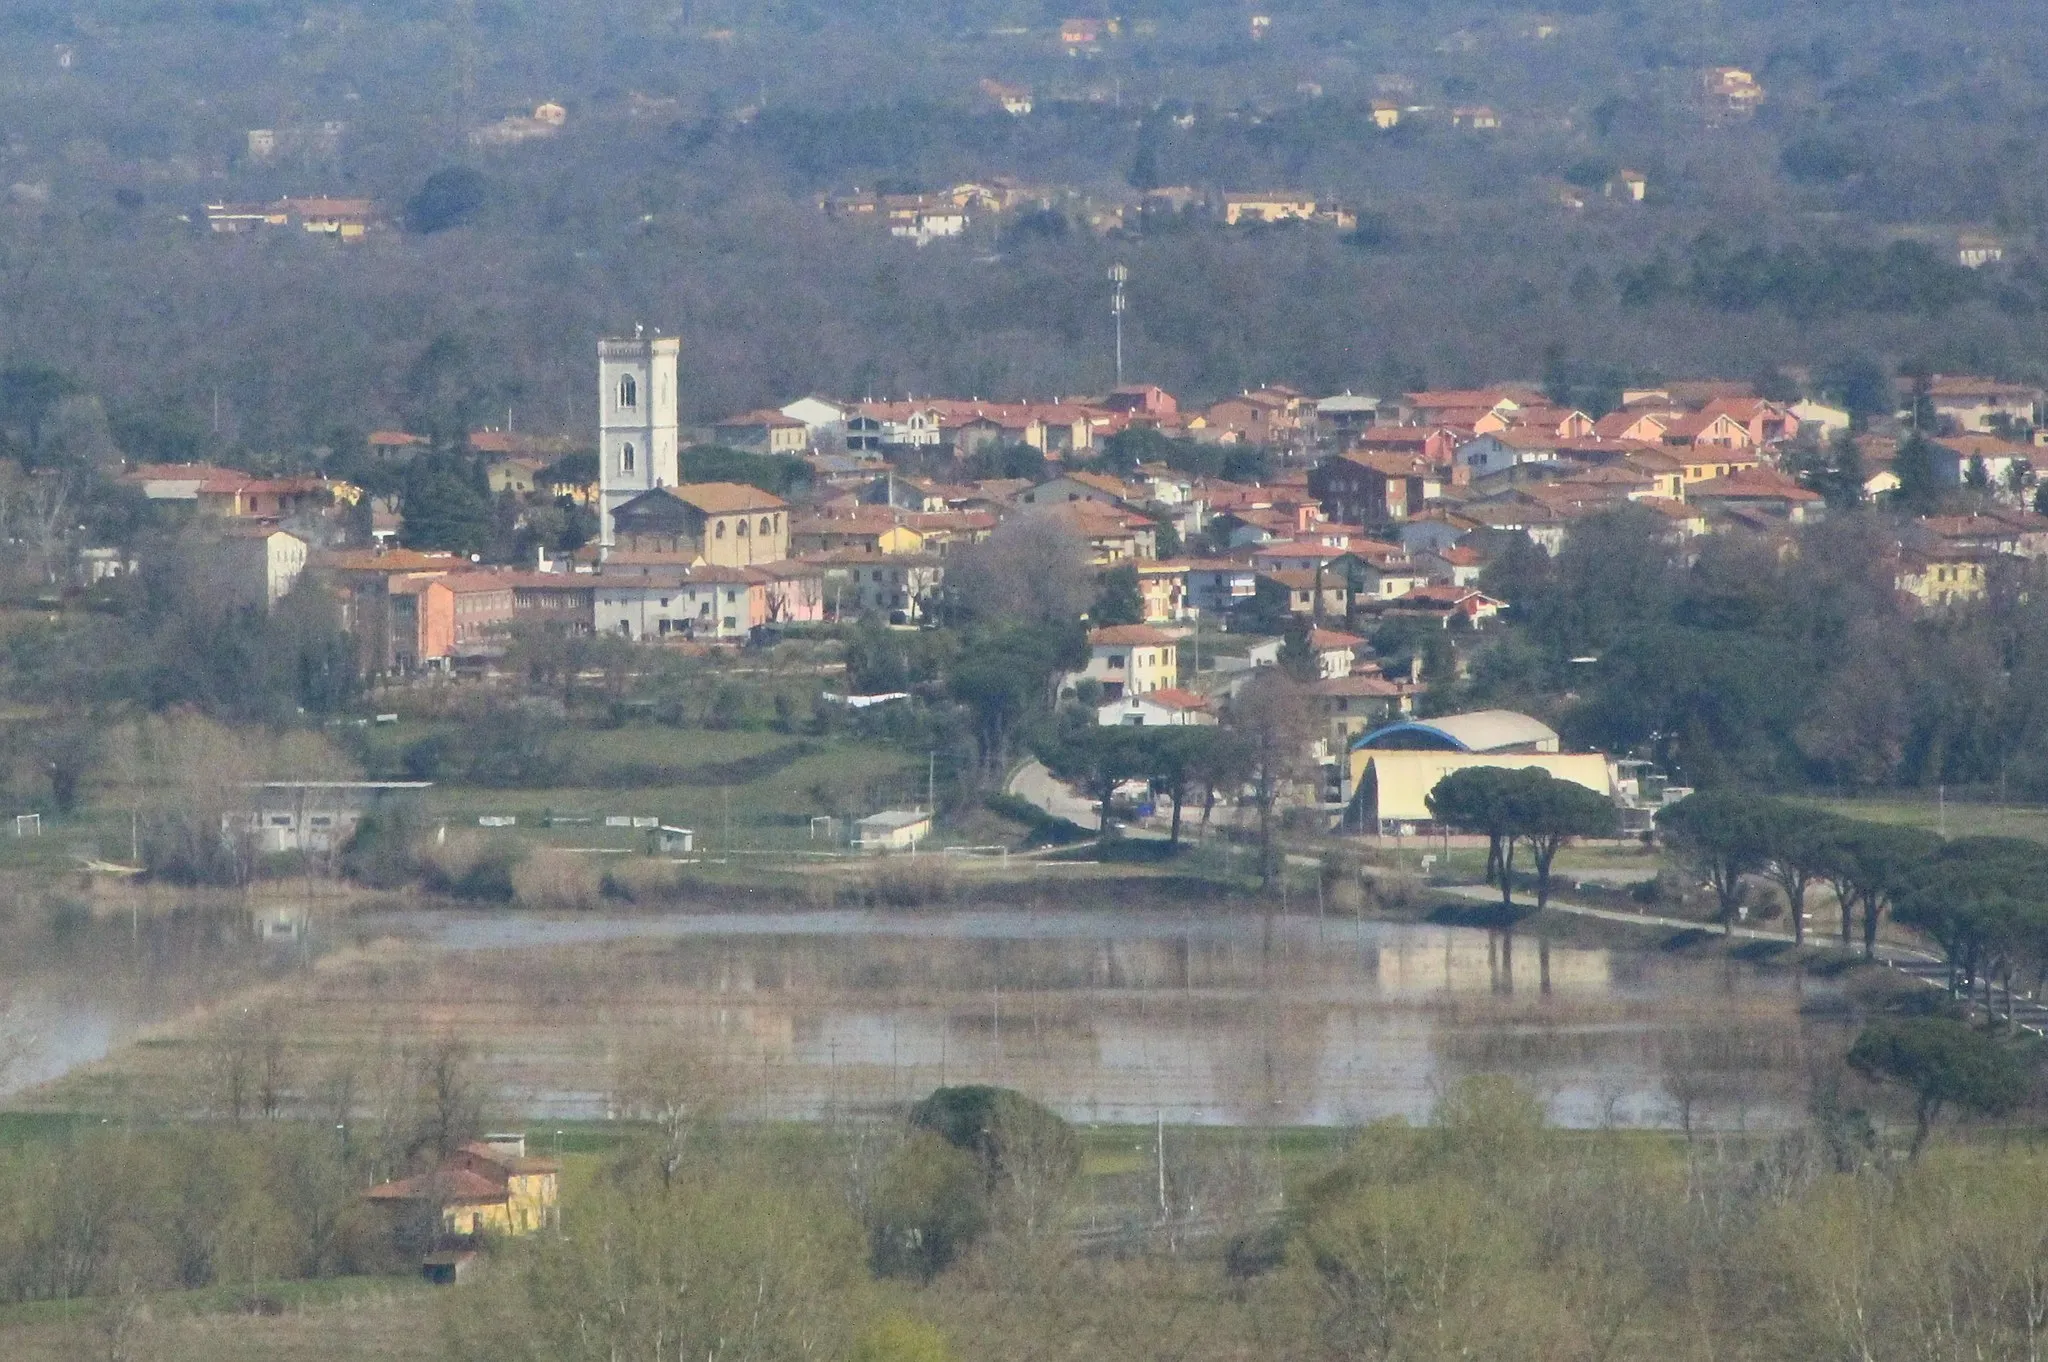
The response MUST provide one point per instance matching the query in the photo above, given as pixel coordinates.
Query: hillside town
(1328, 518)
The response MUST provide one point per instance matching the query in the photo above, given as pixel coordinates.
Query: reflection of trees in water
(1241, 1024)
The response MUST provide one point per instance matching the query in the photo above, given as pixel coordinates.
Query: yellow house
(1273, 207)
(1666, 474)
(488, 1186)
(515, 475)
(1132, 659)
(1163, 587)
(345, 219)
(1702, 462)
(1940, 579)
(871, 529)
(1385, 114)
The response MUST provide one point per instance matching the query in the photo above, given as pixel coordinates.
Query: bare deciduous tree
(1032, 569)
(676, 1086)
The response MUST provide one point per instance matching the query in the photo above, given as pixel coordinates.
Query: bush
(928, 1207)
(1003, 1129)
(1042, 828)
(380, 853)
(468, 867)
(551, 877)
(449, 198)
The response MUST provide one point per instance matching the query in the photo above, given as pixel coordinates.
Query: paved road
(1033, 782)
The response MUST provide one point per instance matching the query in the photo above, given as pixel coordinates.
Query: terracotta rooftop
(1130, 636)
(724, 498)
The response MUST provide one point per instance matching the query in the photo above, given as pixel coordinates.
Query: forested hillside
(682, 190)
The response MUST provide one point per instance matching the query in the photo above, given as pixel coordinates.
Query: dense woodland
(682, 192)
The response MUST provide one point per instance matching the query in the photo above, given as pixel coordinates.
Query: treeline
(1805, 281)
(259, 1177)
(1739, 659)
(1484, 1234)
(702, 190)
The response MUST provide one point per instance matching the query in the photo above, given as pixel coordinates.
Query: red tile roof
(1130, 636)
(1172, 697)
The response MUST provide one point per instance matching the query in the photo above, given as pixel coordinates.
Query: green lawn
(764, 786)
(773, 811)
(1957, 819)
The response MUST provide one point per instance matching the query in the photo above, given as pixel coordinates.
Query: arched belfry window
(629, 392)
(626, 457)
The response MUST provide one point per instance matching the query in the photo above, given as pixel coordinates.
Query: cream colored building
(1276, 207)
(1131, 659)
(253, 565)
(1394, 786)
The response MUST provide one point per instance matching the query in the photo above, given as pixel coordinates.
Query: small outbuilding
(892, 830)
(668, 841)
(449, 1267)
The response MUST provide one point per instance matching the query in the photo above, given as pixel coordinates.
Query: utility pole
(931, 783)
(1159, 1154)
(1117, 275)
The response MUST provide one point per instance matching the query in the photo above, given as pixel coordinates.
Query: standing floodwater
(1107, 1016)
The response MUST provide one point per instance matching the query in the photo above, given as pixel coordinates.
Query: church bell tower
(636, 420)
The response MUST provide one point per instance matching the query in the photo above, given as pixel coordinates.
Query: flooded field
(74, 989)
(1106, 1015)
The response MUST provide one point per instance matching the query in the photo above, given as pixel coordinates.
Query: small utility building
(892, 830)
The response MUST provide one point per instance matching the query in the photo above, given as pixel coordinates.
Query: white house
(252, 565)
(1818, 418)
(1491, 453)
(2005, 464)
(1131, 659)
(819, 415)
(309, 815)
(892, 830)
(1164, 708)
(663, 602)
(1336, 652)
(1214, 588)
(897, 587)
(1982, 403)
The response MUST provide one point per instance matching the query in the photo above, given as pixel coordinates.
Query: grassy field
(1953, 817)
(762, 786)
(736, 789)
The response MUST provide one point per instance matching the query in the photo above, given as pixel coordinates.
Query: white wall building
(819, 415)
(892, 830)
(636, 424)
(701, 603)
(253, 565)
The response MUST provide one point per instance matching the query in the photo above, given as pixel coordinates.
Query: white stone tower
(636, 420)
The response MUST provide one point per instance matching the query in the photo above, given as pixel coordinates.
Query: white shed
(892, 829)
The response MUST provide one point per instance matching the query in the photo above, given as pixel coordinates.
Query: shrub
(928, 1207)
(551, 877)
(1042, 829)
(1003, 1129)
(469, 867)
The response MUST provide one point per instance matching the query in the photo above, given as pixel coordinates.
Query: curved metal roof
(1481, 730)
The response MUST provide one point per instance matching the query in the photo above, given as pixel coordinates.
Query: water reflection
(75, 988)
(1107, 1017)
